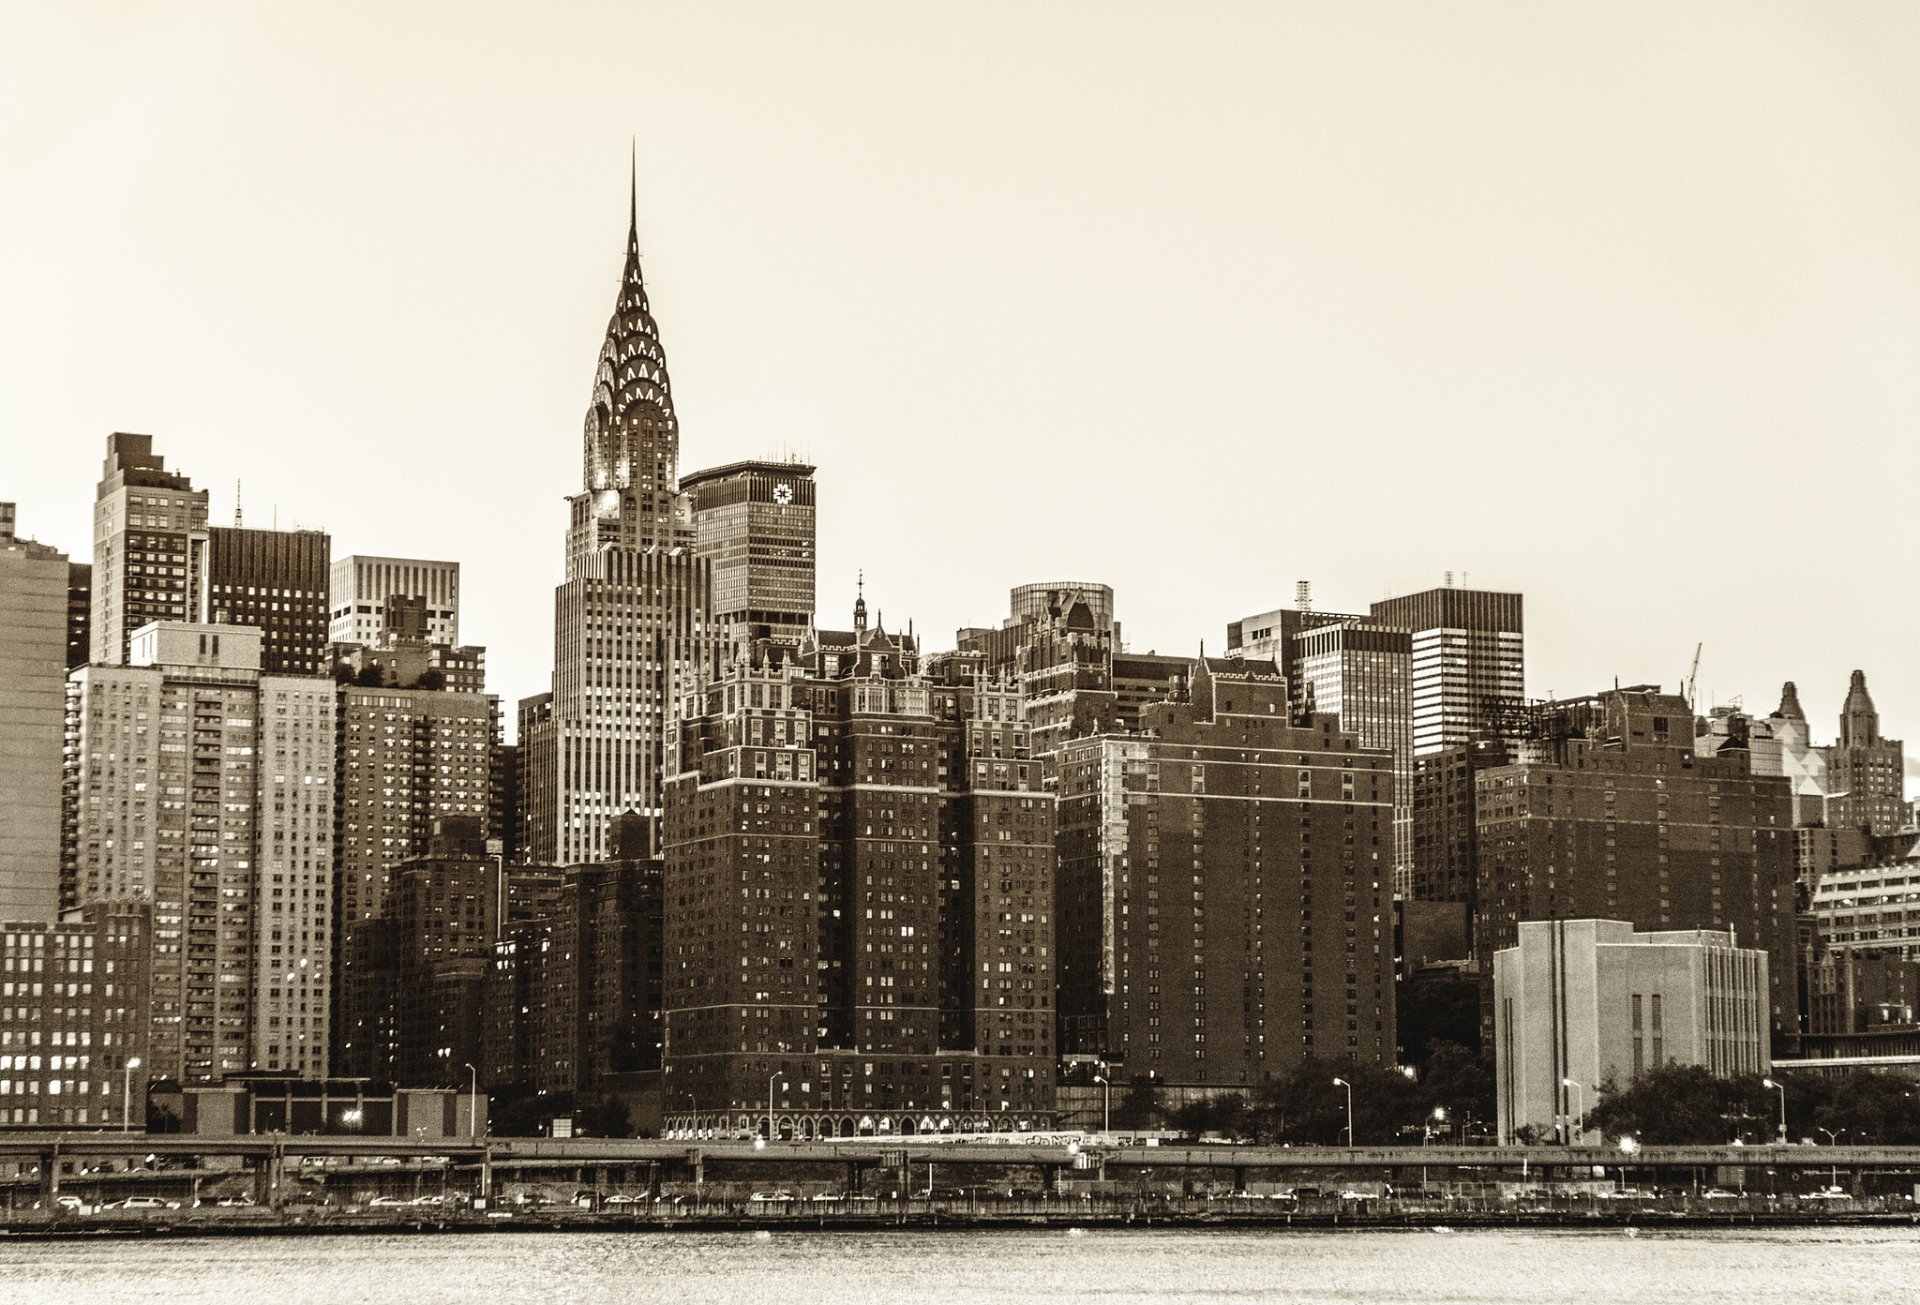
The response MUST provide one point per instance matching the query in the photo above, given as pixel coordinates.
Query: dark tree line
(1307, 1107)
(1679, 1105)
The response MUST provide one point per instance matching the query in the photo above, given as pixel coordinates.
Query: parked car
(143, 1203)
(626, 1198)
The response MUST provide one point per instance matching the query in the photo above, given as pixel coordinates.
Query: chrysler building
(632, 620)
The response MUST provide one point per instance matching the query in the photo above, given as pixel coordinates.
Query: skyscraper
(33, 688)
(1469, 661)
(275, 581)
(753, 521)
(632, 620)
(149, 540)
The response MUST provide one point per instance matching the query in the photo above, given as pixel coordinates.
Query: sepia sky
(1616, 305)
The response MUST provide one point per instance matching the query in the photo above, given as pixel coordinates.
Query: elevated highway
(1091, 1151)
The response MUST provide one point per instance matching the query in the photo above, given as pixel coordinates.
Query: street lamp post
(126, 1093)
(1781, 1088)
(1582, 1115)
(1439, 1116)
(1833, 1139)
(1106, 1107)
(772, 1078)
(473, 1101)
(1341, 1082)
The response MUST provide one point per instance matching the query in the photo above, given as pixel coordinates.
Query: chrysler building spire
(632, 437)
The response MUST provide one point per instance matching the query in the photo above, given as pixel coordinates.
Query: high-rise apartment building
(33, 688)
(360, 588)
(205, 788)
(573, 999)
(276, 581)
(149, 540)
(1607, 811)
(754, 522)
(74, 1018)
(408, 758)
(858, 899)
(1356, 669)
(1468, 657)
(1225, 896)
(412, 992)
(632, 619)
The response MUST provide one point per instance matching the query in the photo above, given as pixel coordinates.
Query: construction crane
(1693, 677)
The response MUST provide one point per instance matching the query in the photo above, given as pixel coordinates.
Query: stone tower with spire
(1866, 770)
(632, 621)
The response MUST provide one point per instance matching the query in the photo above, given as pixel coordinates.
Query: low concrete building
(246, 1104)
(1580, 1003)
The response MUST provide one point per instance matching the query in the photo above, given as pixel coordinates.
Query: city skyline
(410, 465)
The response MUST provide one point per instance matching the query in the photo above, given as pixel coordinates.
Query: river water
(1525, 1267)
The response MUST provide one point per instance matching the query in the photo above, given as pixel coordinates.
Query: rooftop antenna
(1449, 579)
(1303, 595)
(236, 505)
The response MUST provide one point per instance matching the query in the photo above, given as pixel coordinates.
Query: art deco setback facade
(205, 789)
(1866, 771)
(1594, 1002)
(1224, 888)
(33, 685)
(858, 899)
(1608, 813)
